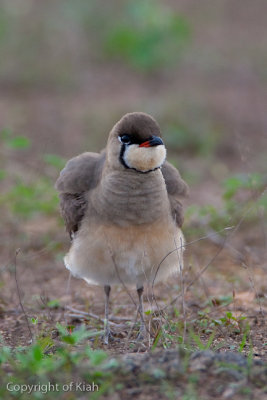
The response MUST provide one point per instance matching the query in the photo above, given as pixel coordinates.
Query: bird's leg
(107, 333)
(142, 331)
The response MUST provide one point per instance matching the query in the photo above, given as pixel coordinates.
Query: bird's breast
(130, 198)
(109, 254)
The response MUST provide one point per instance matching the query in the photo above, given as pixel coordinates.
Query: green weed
(14, 142)
(181, 137)
(29, 199)
(24, 196)
(200, 344)
(207, 323)
(66, 363)
(55, 161)
(147, 35)
(241, 200)
(245, 338)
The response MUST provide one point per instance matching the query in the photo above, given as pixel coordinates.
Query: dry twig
(19, 296)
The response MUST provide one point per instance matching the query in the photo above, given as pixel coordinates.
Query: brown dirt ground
(42, 278)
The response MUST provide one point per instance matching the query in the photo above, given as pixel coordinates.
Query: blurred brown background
(66, 75)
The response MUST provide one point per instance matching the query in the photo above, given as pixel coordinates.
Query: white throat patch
(144, 159)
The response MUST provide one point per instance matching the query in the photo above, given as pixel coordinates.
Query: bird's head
(135, 143)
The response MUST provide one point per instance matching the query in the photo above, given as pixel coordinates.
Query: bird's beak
(153, 141)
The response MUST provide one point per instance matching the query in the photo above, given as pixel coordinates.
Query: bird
(122, 209)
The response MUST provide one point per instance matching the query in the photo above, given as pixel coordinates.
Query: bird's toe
(142, 334)
(109, 337)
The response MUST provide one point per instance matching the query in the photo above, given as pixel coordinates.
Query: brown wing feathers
(176, 188)
(73, 207)
(81, 173)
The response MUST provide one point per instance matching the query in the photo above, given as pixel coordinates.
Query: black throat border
(123, 147)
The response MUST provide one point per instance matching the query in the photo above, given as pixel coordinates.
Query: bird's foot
(108, 336)
(141, 342)
(142, 334)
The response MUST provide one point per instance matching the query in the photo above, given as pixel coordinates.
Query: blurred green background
(69, 70)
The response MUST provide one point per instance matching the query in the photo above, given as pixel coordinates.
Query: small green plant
(14, 142)
(240, 199)
(147, 35)
(156, 340)
(55, 303)
(207, 324)
(181, 137)
(245, 338)
(24, 196)
(45, 362)
(28, 199)
(196, 338)
(229, 320)
(55, 161)
(74, 336)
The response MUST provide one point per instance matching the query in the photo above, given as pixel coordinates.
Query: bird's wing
(176, 188)
(81, 174)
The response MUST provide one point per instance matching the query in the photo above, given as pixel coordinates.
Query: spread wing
(176, 188)
(81, 174)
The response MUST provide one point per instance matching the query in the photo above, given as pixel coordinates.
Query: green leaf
(147, 35)
(37, 353)
(155, 343)
(45, 343)
(197, 339)
(18, 142)
(96, 356)
(53, 303)
(61, 329)
(210, 340)
(74, 337)
(68, 339)
(5, 354)
(55, 160)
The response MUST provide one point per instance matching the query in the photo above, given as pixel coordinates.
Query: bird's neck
(131, 197)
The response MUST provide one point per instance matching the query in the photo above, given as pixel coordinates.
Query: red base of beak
(145, 144)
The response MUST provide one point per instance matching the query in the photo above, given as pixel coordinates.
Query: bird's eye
(125, 139)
